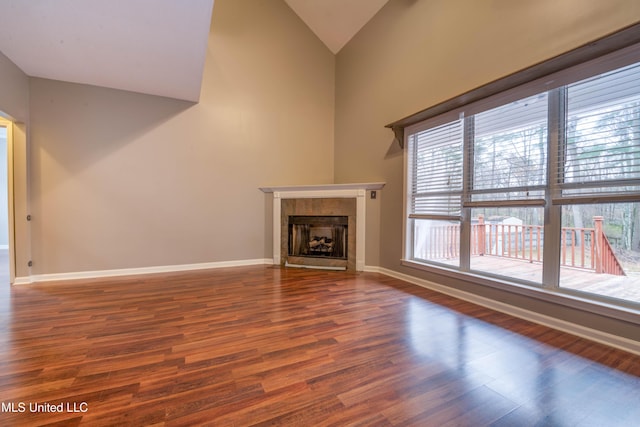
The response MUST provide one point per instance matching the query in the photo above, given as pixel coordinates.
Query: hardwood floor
(271, 346)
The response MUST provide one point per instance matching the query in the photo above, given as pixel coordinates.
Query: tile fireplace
(320, 226)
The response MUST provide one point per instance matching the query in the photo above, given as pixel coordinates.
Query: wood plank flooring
(272, 346)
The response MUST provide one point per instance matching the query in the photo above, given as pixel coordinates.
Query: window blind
(509, 152)
(601, 156)
(436, 178)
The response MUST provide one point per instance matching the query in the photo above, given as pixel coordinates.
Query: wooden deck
(607, 285)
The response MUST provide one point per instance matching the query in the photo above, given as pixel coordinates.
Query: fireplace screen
(318, 236)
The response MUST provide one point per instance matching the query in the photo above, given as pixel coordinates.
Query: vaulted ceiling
(157, 47)
(335, 22)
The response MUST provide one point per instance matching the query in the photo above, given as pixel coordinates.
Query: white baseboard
(611, 340)
(136, 271)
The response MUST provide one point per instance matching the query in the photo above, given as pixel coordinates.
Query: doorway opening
(7, 263)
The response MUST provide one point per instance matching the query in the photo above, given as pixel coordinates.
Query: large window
(538, 185)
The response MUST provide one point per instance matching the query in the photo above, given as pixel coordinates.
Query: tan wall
(122, 180)
(415, 54)
(14, 91)
(22, 227)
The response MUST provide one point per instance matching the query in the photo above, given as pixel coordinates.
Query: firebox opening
(318, 236)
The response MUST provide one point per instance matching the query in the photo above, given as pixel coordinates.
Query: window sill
(560, 296)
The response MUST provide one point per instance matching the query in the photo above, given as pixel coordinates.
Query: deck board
(606, 285)
(626, 288)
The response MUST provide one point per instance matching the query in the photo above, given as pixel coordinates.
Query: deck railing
(582, 248)
(606, 260)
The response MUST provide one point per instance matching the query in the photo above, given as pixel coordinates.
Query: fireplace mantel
(357, 191)
(325, 187)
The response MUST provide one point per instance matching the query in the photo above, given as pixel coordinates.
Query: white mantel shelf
(325, 187)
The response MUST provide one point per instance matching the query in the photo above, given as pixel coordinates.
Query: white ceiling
(156, 47)
(335, 22)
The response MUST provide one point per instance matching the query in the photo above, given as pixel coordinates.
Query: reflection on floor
(5, 287)
(4, 267)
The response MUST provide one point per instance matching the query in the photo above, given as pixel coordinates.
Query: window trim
(602, 305)
(613, 43)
